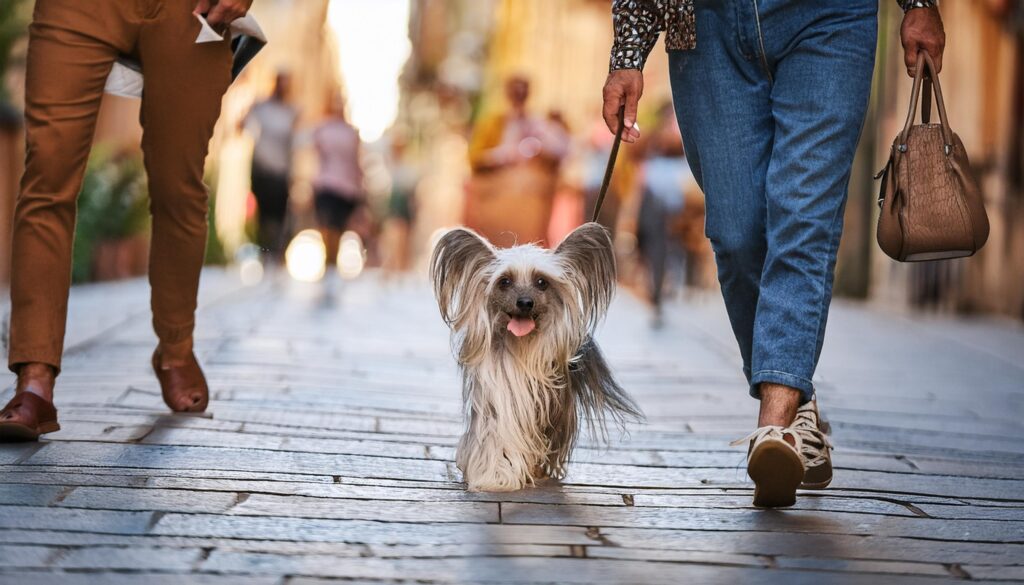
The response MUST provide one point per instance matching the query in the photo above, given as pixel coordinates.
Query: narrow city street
(327, 454)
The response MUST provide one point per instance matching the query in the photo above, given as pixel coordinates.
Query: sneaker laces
(815, 445)
(772, 432)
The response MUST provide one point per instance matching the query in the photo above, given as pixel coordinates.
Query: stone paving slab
(327, 454)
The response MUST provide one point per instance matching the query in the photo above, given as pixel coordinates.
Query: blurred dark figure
(272, 122)
(338, 184)
(401, 210)
(665, 175)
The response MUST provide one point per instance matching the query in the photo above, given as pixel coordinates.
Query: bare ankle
(37, 378)
(778, 405)
(174, 354)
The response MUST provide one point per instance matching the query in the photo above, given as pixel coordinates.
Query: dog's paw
(495, 478)
(496, 483)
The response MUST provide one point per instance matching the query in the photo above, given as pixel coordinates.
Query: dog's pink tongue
(520, 327)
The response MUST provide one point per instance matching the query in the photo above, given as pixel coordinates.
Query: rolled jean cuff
(33, 355)
(805, 386)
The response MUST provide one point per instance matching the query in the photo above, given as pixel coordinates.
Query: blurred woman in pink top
(338, 184)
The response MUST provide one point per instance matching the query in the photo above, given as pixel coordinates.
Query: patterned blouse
(638, 22)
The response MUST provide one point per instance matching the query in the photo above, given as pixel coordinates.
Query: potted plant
(111, 239)
(13, 27)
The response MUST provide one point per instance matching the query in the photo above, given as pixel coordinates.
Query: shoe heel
(777, 472)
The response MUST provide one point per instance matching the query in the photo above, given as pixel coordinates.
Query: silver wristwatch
(911, 4)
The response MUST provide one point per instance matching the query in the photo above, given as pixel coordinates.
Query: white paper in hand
(125, 77)
(246, 25)
(206, 32)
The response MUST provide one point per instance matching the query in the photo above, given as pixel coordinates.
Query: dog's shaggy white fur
(522, 321)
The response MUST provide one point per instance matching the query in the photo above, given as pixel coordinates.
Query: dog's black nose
(524, 303)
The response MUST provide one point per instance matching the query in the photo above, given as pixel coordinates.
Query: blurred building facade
(463, 50)
(983, 86)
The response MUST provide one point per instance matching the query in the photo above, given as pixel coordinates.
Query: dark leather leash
(611, 162)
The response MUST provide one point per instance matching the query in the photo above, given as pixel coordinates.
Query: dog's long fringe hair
(524, 400)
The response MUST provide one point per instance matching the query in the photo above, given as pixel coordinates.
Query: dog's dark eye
(504, 282)
(541, 283)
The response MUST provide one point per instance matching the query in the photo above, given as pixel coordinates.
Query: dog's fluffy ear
(457, 269)
(588, 259)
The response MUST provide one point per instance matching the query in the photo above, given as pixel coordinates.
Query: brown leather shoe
(26, 417)
(183, 387)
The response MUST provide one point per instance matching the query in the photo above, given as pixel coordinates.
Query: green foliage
(113, 204)
(14, 16)
(215, 253)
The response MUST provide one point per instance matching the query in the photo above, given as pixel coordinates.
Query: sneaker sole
(777, 473)
(816, 486)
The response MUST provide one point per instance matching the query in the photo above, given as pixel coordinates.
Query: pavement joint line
(97, 338)
(29, 452)
(957, 571)
(336, 498)
(240, 498)
(64, 493)
(965, 454)
(55, 556)
(154, 519)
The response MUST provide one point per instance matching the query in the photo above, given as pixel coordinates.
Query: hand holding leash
(622, 91)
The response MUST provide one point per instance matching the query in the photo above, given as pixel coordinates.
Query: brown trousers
(72, 46)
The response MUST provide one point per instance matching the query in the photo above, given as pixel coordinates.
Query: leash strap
(611, 162)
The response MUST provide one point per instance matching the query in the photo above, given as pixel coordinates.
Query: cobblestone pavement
(327, 454)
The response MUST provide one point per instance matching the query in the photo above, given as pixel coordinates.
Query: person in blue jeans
(771, 97)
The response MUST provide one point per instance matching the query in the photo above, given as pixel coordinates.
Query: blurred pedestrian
(665, 177)
(567, 205)
(72, 47)
(401, 209)
(516, 136)
(771, 99)
(515, 157)
(338, 184)
(272, 123)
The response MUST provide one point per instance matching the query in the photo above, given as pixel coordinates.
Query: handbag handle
(927, 77)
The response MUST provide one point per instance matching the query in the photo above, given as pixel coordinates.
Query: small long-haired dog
(522, 322)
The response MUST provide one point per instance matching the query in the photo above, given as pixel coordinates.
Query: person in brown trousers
(72, 47)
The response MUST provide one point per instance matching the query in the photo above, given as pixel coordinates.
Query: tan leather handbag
(931, 206)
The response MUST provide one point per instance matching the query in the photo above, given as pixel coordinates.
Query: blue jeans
(771, 104)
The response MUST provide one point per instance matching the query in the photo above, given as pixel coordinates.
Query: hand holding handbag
(931, 206)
